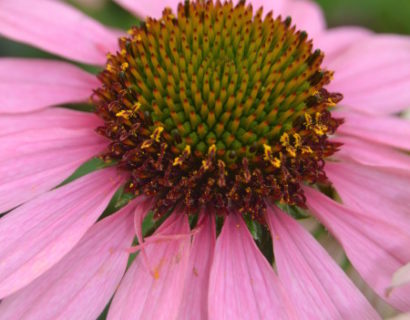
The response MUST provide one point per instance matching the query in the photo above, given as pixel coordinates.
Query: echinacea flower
(229, 123)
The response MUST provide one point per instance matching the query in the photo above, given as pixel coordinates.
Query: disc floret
(218, 105)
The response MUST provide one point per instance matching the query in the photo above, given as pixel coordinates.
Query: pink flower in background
(211, 165)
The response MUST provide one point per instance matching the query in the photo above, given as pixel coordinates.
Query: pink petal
(29, 142)
(402, 316)
(34, 161)
(195, 298)
(148, 8)
(335, 42)
(48, 118)
(386, 46)
(145, 204)
(374, 83)
(154, 291)
(372, 190)
(243, 284)
(401, 276)
(276, 6)
(374, 244)
(320, 289)
(387, 130)
(306, 15)
(31, 84)
(82, 283)
(58, 28)
(372, 154)
(38, 234)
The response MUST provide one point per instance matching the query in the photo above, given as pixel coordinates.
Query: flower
(218, 118)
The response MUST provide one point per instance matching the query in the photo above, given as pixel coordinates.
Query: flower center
(218, 105)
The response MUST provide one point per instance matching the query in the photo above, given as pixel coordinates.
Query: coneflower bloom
(228, 122)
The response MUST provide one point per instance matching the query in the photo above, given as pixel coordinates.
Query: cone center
(218, 105)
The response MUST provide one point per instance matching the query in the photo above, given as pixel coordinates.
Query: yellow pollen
(268, 151)
(157, 133)
(276, 162)
(206, 164)
(187, 150)
(212, 150)
(123, 114)
(320, 129)
(177, 161)
(308, 119)
(136, 106)
(124, 66)
(330, 102)
(298, 140)
(291, 150)
(269, 157)
(284, 139)
(146, 144)
(110, 68)
(180, 160)
(306, 149)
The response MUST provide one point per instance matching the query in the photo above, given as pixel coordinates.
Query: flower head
(218, 106)
(231, 123)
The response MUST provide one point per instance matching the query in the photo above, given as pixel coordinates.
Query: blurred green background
(390, 16)
(383, 16)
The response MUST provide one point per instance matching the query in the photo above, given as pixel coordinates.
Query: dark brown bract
(220, 106)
